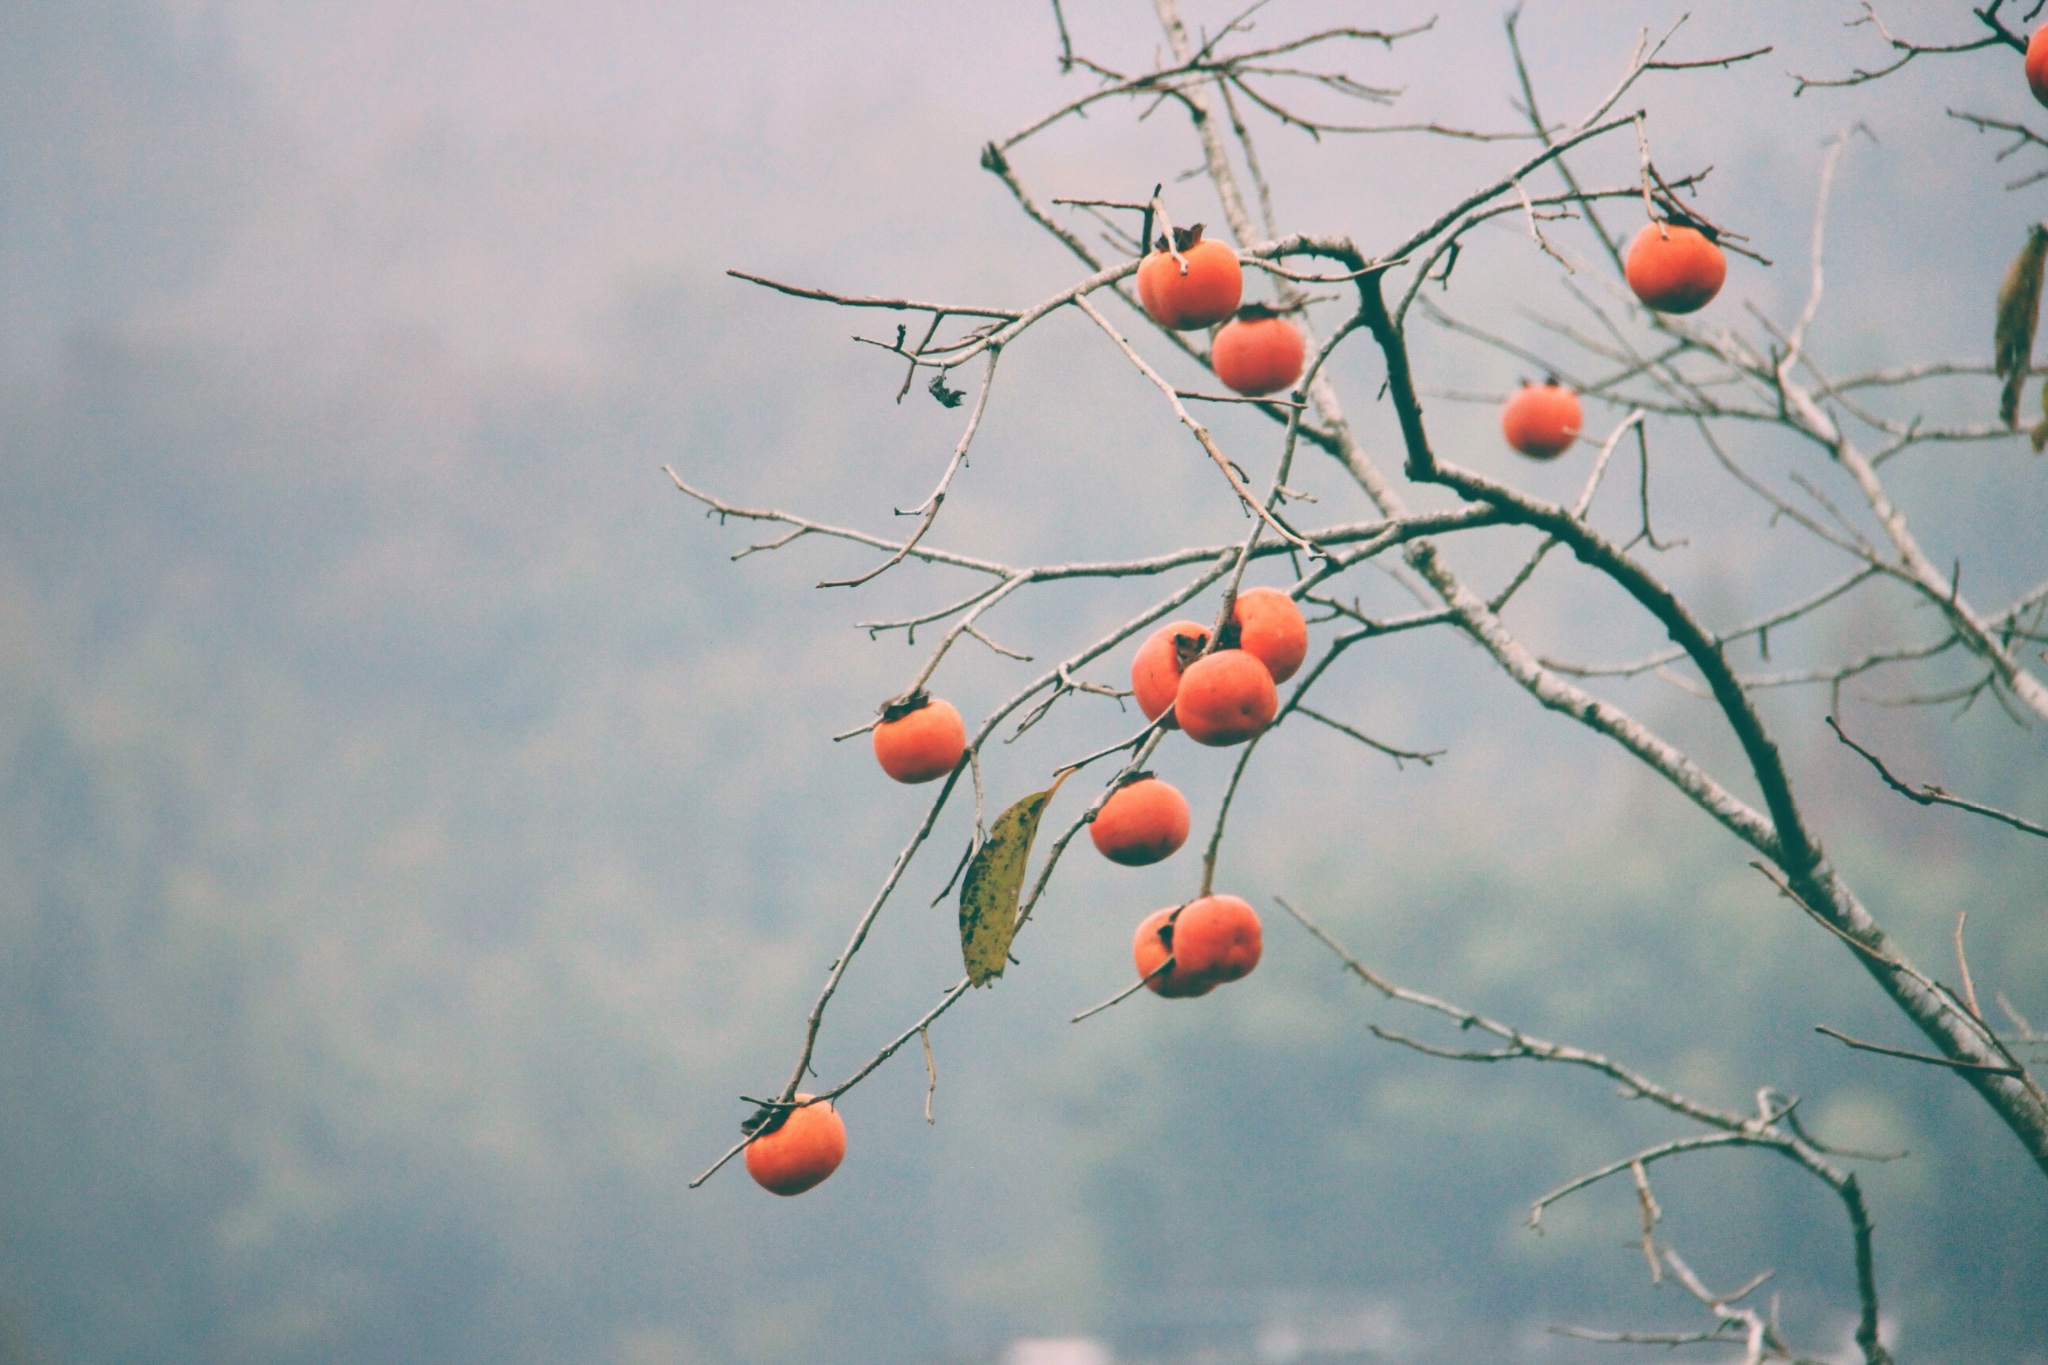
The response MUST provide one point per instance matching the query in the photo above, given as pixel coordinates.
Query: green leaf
(994, 881)
(2019, 311)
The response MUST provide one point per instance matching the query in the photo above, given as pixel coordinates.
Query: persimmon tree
(1638, 372)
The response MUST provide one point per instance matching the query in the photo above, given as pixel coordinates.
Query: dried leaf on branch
(2019, 310)
(994, 881)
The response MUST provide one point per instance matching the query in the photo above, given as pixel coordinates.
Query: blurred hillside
(415, 833)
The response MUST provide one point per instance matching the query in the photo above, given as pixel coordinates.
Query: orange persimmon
(1156, 668)
(1225, 698)
(1149, 951)
(1216, 938)
(1258, 352)
(1142, 822)
(1270, 629)
(808, 1146)
(1542, 420)
(1201, 294)
(919, 738)
(1675, 268)
(2037, 64)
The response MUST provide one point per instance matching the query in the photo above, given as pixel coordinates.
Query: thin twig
(1126, 993)
(931, 1071)
(1950, 1062)
(1927, 794)
(1963, 967)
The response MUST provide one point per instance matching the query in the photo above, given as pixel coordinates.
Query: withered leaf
(950, 398)
(2019, 311)
(994, 881)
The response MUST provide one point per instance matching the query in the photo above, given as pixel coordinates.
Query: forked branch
(1771, 1128)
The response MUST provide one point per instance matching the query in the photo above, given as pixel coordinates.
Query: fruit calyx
(1188, 648)
(771, 1115)
(1184, 239)
(1232, 634)
(1261, 312)
(902, 706)
(1677, 217)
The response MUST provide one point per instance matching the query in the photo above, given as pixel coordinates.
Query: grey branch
(1927, 794)
(1907, 50)
(1772, 1128)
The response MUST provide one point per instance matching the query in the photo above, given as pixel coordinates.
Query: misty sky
(417, 834)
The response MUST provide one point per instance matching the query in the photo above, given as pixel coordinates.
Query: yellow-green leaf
(994, 881)
(2019, 311)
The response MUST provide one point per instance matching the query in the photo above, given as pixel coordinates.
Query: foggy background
(416, 833)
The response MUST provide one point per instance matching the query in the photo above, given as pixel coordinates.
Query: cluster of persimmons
(1222, 692)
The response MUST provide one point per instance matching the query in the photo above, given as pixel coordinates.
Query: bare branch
(1927, 794)
(1522, 1046)
(870, 301)
(1999, 1069)
(1717, 1335)
(926, 512)
(1963, 967)
(1646, 1206)
(1676, 1147)
(2023, 137)
(931, 1071)
(1425, 757)
(1773, 1128)
(1201, 433)
(1126, 993)
(1907, 51)
(805, 526)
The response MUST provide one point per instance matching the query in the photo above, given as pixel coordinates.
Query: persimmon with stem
(1199, 289)
(919, 738)
(800, 1152)
(1674, 267)
(1150, 950)
(1158, 664)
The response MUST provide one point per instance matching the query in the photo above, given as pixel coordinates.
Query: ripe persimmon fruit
(1216, 938)
(2037, 64)
(1152, 946)
(1542, 420)
(1142, 822)
(1157, 666)
(1258, 352)
(1207, 291)
(1225, 698)
(1270, 629)
(919, 738)
(807, 1147)
(1675, 268)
